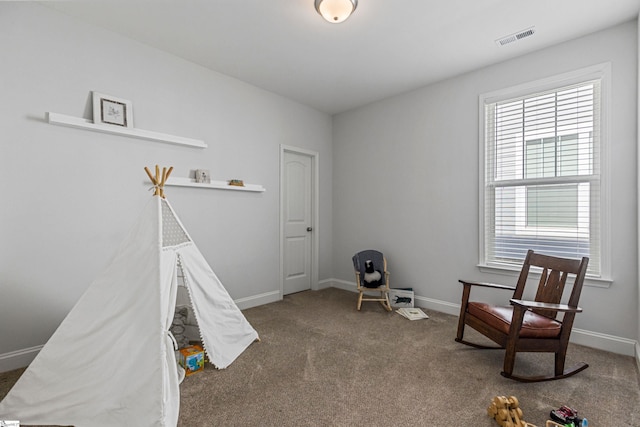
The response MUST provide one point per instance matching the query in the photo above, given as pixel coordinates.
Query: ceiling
(386, 47)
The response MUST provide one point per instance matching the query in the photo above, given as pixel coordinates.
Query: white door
(297, 216)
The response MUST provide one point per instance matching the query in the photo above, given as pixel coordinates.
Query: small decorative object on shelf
(236, 182)
(111, 110)
(203, 176)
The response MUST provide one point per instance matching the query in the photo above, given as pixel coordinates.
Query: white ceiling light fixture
(336, 11)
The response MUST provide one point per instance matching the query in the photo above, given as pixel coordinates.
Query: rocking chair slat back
(550, 289)
(564, 267)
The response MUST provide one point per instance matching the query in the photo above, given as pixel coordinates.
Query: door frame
(315, 218)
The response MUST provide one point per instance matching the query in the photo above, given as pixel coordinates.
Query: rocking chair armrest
(487, 285)
(545, 306)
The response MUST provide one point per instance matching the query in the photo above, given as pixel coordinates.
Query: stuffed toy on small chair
(372, 277)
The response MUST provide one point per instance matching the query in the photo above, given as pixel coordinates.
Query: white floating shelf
(218, 185)
(76, 122)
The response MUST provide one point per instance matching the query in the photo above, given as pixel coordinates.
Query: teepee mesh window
(172, 232)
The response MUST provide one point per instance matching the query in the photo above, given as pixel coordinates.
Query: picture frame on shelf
(203, 176)
(112, 110)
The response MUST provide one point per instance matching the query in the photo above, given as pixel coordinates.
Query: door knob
(309, 229)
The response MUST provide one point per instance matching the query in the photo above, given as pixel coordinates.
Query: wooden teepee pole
(159, 180)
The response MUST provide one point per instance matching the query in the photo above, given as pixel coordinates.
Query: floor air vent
(515, 37)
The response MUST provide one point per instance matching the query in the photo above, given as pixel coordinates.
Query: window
(542, 176)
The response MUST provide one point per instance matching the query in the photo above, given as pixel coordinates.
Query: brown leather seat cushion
(533, 326)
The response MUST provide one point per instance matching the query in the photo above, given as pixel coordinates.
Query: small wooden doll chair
(379, 264)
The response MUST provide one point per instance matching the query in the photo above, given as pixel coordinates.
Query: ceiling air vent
(515, 37)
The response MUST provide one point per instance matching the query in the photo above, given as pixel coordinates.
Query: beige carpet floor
(322, 363)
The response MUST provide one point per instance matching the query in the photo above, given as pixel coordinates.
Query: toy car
(565, 415)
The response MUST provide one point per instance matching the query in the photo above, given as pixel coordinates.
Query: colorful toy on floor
(506, 411)
(583, 423)
(191, 359)
(567, 416)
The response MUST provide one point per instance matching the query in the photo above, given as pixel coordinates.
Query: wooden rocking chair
(530, 326)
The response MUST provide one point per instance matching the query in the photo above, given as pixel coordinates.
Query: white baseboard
(19, 358)
(323, 284)
(256, 300)
(438, 305)
(341, 284)
(591, 339)
(604, 342)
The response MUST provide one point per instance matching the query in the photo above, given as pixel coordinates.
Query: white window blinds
(542, 175)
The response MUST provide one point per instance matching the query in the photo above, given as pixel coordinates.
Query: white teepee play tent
(111, 362)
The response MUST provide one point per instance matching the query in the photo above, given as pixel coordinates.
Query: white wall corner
(327, 283)
(345, 285)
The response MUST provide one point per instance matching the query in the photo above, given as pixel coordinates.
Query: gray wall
(406, 180)
(69, 196)
(638, 203)
(400, 176)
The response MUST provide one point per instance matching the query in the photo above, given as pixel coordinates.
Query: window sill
(596, 282)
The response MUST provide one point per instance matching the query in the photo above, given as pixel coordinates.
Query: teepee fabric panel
(110, 361)
(173, 233)
(225, 331)
(168, 293)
